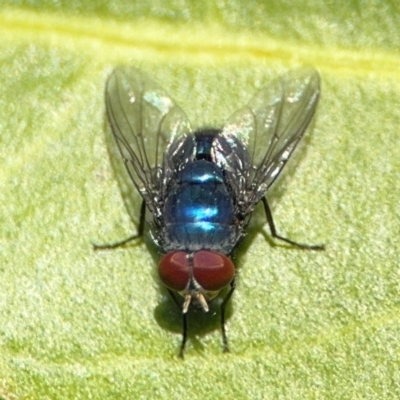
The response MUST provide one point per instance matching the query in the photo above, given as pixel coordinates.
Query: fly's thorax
(197, 276)
(199, 211)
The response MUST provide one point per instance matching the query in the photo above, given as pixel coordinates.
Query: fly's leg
(184, 335)
(123, 242)
(114, 245)
(184, 324)
(274, 234)
(223, 305)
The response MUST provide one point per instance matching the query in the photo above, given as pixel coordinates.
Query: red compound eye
(174, 270)
(213, 271)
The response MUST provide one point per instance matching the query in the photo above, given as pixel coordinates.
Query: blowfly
(198, 188)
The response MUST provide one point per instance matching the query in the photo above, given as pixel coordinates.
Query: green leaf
(81, 324)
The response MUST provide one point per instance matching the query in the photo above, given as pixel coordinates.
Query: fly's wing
(269, 128)
(146, 125)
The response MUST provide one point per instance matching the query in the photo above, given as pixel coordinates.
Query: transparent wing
(146, 125)
(258, 140)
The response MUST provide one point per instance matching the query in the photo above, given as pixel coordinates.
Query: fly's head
(198, 276)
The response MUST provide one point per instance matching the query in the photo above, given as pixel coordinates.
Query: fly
(199, 188)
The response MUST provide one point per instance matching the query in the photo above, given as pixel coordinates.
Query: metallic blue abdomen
(199, 210)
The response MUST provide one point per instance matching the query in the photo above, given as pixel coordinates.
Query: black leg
(184, 324)
(274, 234)
(123, 242)
(172, 294)
(184, 335)
(223, 305)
